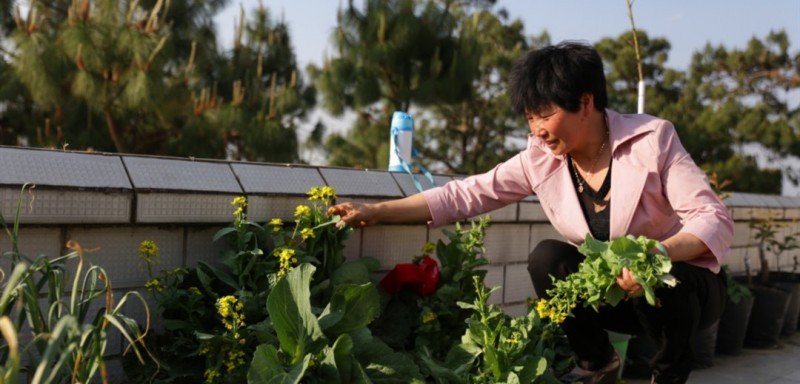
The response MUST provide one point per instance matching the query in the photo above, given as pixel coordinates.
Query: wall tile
(501, 215)
(408, 187)
(273, 179)
(495, 277)
(49, 206)
(515, 310)
(518, 287)
(507, 243)
(393, 244)
(65, 169)
(183, 208)
(541, 232)
(742, 234)
(115, 249)
(161, 174)
(532, 211)
(33, 243)
(199, 246)
(352, 182)
(262, 209)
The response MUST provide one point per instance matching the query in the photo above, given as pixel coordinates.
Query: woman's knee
(551, 258)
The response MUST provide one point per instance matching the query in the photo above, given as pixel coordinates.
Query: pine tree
(391, 55)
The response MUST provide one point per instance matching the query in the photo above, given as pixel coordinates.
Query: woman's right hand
(356, 215)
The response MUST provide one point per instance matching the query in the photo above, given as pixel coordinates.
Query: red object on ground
(420, 278)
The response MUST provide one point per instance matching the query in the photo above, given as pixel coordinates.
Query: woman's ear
(587, 103)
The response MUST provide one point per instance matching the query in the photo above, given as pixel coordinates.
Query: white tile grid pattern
(741, 213)
(117, 249)
(264, 208)
(742, 234)
(352, 246)
(518, 284)
(66, 206)
(43, 167)
(531, 211)
(792, 214)
(393, 244)
(507, 243)
(200, 248)
(495, 278)
(32, 242)
(183, 175)
(541, 232)
(408, 187)
(183, 208)
(260, 178)
(501, 215)
(351, 182)
(735, 259)
(515, 310)
(436, 234)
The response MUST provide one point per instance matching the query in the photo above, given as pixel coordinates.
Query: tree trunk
(112, 131)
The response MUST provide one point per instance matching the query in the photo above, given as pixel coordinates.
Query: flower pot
(767, 316)
(733, 326)
(789, 282)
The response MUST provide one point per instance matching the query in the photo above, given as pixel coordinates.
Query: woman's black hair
(560, 75)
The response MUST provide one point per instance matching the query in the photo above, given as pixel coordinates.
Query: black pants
(694, 304)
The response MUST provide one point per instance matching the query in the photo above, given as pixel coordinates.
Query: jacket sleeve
(474, 195)
(686, 186)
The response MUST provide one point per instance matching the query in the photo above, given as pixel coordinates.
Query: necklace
(590, 171)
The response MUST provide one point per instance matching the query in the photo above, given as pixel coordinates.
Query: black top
(599, 222)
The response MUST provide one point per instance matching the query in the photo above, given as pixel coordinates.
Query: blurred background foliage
(148, 77)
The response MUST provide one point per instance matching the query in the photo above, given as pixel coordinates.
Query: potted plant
(771, 302)
(788, 281)
(733, 322)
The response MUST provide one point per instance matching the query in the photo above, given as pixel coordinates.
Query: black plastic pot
(767, 316)
(733, 326)
(789, 282)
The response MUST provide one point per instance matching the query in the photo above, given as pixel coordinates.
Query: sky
(687, 24)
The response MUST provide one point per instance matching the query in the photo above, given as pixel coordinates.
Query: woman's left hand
(628, 283)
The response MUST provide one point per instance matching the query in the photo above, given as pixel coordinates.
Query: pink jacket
(656, 189)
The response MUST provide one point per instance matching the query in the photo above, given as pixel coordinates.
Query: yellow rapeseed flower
(211, 375)
(427, 317)
(307, 233)
(148, 252)
(276, 224)
(285, 259)
(154, 285)
(240, 201)
(302, 210)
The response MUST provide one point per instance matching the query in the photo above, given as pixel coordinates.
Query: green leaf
(352, 273)
(289, 307)
(205, 271)
(337, 365)
(359, 306)
(266, 368)
(222, 232)
(379, 363)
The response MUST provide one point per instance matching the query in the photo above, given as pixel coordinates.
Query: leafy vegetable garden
(283, 305)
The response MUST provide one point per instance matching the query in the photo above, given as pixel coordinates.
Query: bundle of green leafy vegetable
(595, 282)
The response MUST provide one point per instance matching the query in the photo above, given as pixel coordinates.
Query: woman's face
(559, 129)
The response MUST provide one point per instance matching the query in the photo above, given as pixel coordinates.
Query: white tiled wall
(111, 214)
